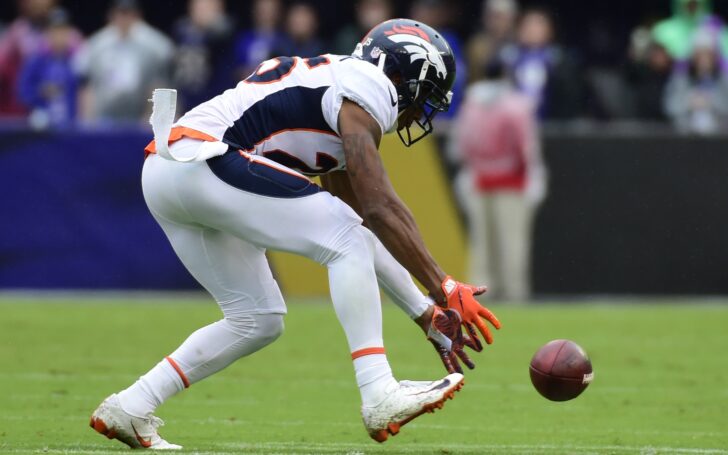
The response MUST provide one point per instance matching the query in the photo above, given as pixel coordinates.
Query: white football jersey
(288, 110)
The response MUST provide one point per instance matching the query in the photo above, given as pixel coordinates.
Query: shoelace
(155, 422)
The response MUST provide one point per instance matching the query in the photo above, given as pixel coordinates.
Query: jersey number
(324, 162)
(275, 69)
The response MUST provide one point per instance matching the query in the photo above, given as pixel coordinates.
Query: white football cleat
(112, 421)
(407, 401)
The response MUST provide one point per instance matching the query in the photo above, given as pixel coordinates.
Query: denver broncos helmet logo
(408, 30)
(418, 45)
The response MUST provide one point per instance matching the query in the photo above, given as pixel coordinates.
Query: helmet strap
(380, 63)
(423, 71)
(423, 74)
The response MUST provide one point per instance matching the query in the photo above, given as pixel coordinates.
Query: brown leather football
(561, 370)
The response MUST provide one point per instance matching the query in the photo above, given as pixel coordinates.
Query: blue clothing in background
(461, 73)
(531, 70)
(49, 84)
(253, 47)
(204, 64)
(306, 49)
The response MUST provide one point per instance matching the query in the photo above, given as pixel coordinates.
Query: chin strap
(423, 74)
(382, 59)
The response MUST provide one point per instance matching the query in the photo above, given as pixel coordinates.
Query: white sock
(355, 294)
(151, 390)
(205, 352)
(374, 378)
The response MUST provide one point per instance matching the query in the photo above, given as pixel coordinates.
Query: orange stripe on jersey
(177, 133)
(310, 130)
(366, 351)
(179, 371)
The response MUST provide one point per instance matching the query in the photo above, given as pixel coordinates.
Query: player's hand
(446, 335)
(460, 297)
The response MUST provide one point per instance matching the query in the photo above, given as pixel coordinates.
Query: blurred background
(584, 154)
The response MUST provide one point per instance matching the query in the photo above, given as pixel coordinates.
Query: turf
(661, 381)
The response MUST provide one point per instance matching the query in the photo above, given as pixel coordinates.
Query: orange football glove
(446, 335)
(460, 298)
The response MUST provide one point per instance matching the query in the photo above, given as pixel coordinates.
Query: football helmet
(420, 64)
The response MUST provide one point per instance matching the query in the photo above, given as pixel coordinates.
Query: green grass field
(661, 383)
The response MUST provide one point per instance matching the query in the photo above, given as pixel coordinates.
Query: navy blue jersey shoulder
(290, 108)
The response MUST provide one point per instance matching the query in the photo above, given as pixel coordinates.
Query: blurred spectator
(48, 84)
(256, 44)
(497, 28)
(203, 62)
(647, 71)
(503, 180)
(697, 94)
(541, 69)
(368, 14)
(20, 40)
(301, 32)
(121, 64)
(438, 15)
(676, 33)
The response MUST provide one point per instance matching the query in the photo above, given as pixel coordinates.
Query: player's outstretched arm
(393, 223)
(383, 211)
(442, 327)
(392, 277)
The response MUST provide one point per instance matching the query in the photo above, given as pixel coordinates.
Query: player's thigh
(272, 208)
(235, 272)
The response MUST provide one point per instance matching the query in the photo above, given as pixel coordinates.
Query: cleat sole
(100, 427)
(394, 427)
(104, 422)
(380, 436)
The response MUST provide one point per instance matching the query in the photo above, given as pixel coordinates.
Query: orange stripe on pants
(179, 371)
(366, 351)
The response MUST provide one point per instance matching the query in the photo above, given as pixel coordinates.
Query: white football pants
(220, 233)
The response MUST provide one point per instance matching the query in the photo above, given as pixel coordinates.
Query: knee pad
(269, 327)
(215, 346)
(264, 327)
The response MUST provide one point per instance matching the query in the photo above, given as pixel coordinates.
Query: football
(561, 370)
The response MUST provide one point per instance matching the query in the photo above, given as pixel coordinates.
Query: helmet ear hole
(412, 86)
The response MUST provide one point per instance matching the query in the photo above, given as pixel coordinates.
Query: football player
(227, 182)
